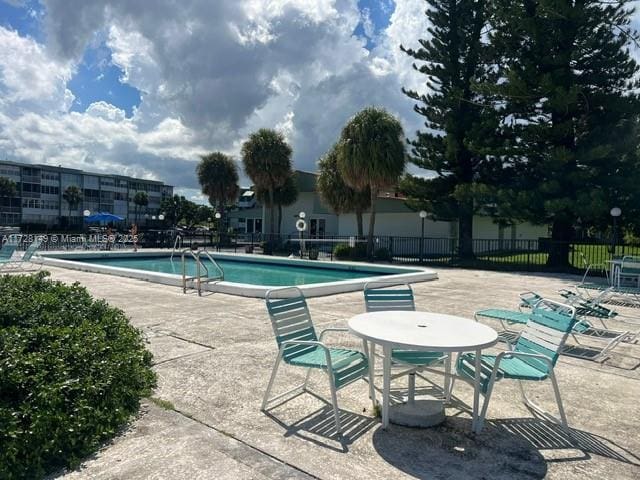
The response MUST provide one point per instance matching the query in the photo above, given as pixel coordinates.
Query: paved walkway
(213, 355)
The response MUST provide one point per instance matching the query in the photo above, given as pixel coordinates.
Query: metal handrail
(183, 253)
(212, 260)
(177, 241)
(199, 266)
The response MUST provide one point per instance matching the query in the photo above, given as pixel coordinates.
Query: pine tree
(457, 123)
(566, 95)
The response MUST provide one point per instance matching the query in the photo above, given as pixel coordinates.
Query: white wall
(394, 224)
(484, 227)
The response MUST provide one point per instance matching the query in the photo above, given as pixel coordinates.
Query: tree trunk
(465, 234)
(561, 232)
(221, 223)
(272, 211)
(359, 222)
(372, 222)
(279, 219)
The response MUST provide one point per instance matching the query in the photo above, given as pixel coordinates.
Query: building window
(317, 227)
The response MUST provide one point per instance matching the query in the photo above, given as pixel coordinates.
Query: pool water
(253, 273)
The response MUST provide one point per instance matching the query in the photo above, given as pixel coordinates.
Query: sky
(118, 86)
(144, 88)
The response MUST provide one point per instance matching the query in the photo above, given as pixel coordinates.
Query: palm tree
(218, 177)
(336, 194)
(371, 154)
(73, 196)
(266, 157)
(140, 199)
(283, 196)
(8, 188)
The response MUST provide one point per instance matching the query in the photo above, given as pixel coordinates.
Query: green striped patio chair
(390, 296)
(582, 327)
(300, 346)
(531, 359)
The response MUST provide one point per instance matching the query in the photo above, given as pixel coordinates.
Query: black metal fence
(494, 254)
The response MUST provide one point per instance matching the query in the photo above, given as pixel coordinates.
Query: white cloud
(28, 75)
(210, 73)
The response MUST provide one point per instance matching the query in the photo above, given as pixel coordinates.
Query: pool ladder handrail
(205, 252)
(199, 266)
(177, 241)
(207, 277)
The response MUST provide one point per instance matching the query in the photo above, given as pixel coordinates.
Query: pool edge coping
(240, 289)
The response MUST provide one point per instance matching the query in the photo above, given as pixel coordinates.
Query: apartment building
(40, 189)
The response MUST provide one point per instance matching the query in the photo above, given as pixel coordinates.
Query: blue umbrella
(103, 217)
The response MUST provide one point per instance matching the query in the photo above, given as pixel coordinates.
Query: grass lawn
(593, 255)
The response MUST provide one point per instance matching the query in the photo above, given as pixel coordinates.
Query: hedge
(72, 373)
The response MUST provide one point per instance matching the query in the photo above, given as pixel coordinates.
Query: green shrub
(72, 372)
(342, 251)
(359, 252)
(382, 254)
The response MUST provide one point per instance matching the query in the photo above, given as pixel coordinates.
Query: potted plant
(313, 254)
(248, 249)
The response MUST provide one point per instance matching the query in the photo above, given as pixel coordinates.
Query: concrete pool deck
(213, 356)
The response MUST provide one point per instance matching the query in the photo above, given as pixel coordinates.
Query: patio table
(414, 330)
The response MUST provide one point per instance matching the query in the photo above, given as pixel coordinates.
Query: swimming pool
(247, 275)
(242, 271)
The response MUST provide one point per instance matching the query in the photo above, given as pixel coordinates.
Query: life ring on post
(301, 225)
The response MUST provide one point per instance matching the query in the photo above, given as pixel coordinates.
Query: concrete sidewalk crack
(302, 474)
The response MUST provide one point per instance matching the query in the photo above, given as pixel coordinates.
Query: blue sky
(112, 85)
(98, 79)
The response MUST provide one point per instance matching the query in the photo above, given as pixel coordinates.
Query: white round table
(434, 332)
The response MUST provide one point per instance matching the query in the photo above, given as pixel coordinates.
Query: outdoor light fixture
(161, 216)
(301, 226)
(86, 213)
(615, 213)
(153, 217)
(423, 215)
(218, 215)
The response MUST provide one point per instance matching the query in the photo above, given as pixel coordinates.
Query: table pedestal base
(423, 413)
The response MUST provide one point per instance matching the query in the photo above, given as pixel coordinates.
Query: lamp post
(423, 215)
(218, 216)
(301, 225)
(615, 213)
(86, 214)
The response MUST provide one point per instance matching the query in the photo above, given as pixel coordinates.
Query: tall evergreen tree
(457, 124)
(567, 97)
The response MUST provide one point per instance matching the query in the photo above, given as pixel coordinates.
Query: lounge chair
(6, 252)
(581, 327)
(300, 346)
(17, 264)
(390, 296)
(531, 359)
(623, 281)
(589, 307)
